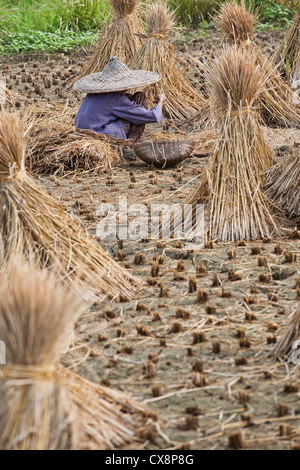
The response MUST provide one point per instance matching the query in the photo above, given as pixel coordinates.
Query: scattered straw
(64, 149)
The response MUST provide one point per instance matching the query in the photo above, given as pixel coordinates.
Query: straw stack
(288, 55)
(278, 104)
(157, 55)
(283, 348)
(118, 39)
(43, 406)
(33, 224)
(283, 184)
(62, 149)
(230, 188)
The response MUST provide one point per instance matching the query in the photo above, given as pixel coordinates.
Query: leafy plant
(45, 41)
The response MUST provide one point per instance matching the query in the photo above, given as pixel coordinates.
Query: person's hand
(161, 98)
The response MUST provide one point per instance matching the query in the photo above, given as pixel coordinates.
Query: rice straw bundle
(278, 104)
(157, 55)
(43, 406)
(119, 38)
(292, 333)
(34, 224)
(65, 149)
(230, 188)
(283, 184)
(288, 55)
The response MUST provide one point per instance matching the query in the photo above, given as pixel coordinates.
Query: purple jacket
(103, 113)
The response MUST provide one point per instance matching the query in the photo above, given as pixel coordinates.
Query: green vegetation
(45, 41)
(28, 25)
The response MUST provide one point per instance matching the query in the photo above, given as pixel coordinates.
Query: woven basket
(164, 153)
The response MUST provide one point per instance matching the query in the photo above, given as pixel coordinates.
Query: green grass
(29, 25)
(50, 15)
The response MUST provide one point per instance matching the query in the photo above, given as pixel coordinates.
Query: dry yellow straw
(118, 39)
(278, 104)
(283, 184)
(61, 149)
(35, 225)
(157, 55)
(231, 186)
(288, 54)
(43, 406)
(284, 347)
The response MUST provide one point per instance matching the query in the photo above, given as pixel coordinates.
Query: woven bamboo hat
(116, 76)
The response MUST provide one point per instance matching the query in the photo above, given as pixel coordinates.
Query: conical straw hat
(116, 76)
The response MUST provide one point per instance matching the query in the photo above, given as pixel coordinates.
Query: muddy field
(203, 363)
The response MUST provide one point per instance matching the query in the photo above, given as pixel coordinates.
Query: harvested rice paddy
(195, 344)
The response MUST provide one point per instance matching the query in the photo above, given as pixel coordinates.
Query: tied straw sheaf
(284, 347)
(231, 185)
(157, 55)
(35, 225)
(288, 55)
(118, 38)
(277, 103)
(283, 184)
(43, 405)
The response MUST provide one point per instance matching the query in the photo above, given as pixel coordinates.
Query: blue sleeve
(135, 113)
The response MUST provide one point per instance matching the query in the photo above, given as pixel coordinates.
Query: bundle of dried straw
(50, 114)
(292, 333)
(157, 55)
(43, 406)
(119, 38)
(230, 188)
(61, 149)
(288, 55)
(283, 184)
(32, 223)
(278, 104)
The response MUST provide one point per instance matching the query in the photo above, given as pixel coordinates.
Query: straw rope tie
(239, 111)
(21, 372)
(12, 177)
(156, 35)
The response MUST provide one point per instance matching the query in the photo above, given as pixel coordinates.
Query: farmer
(107, 109)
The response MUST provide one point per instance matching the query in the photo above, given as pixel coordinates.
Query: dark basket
(164, 153)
